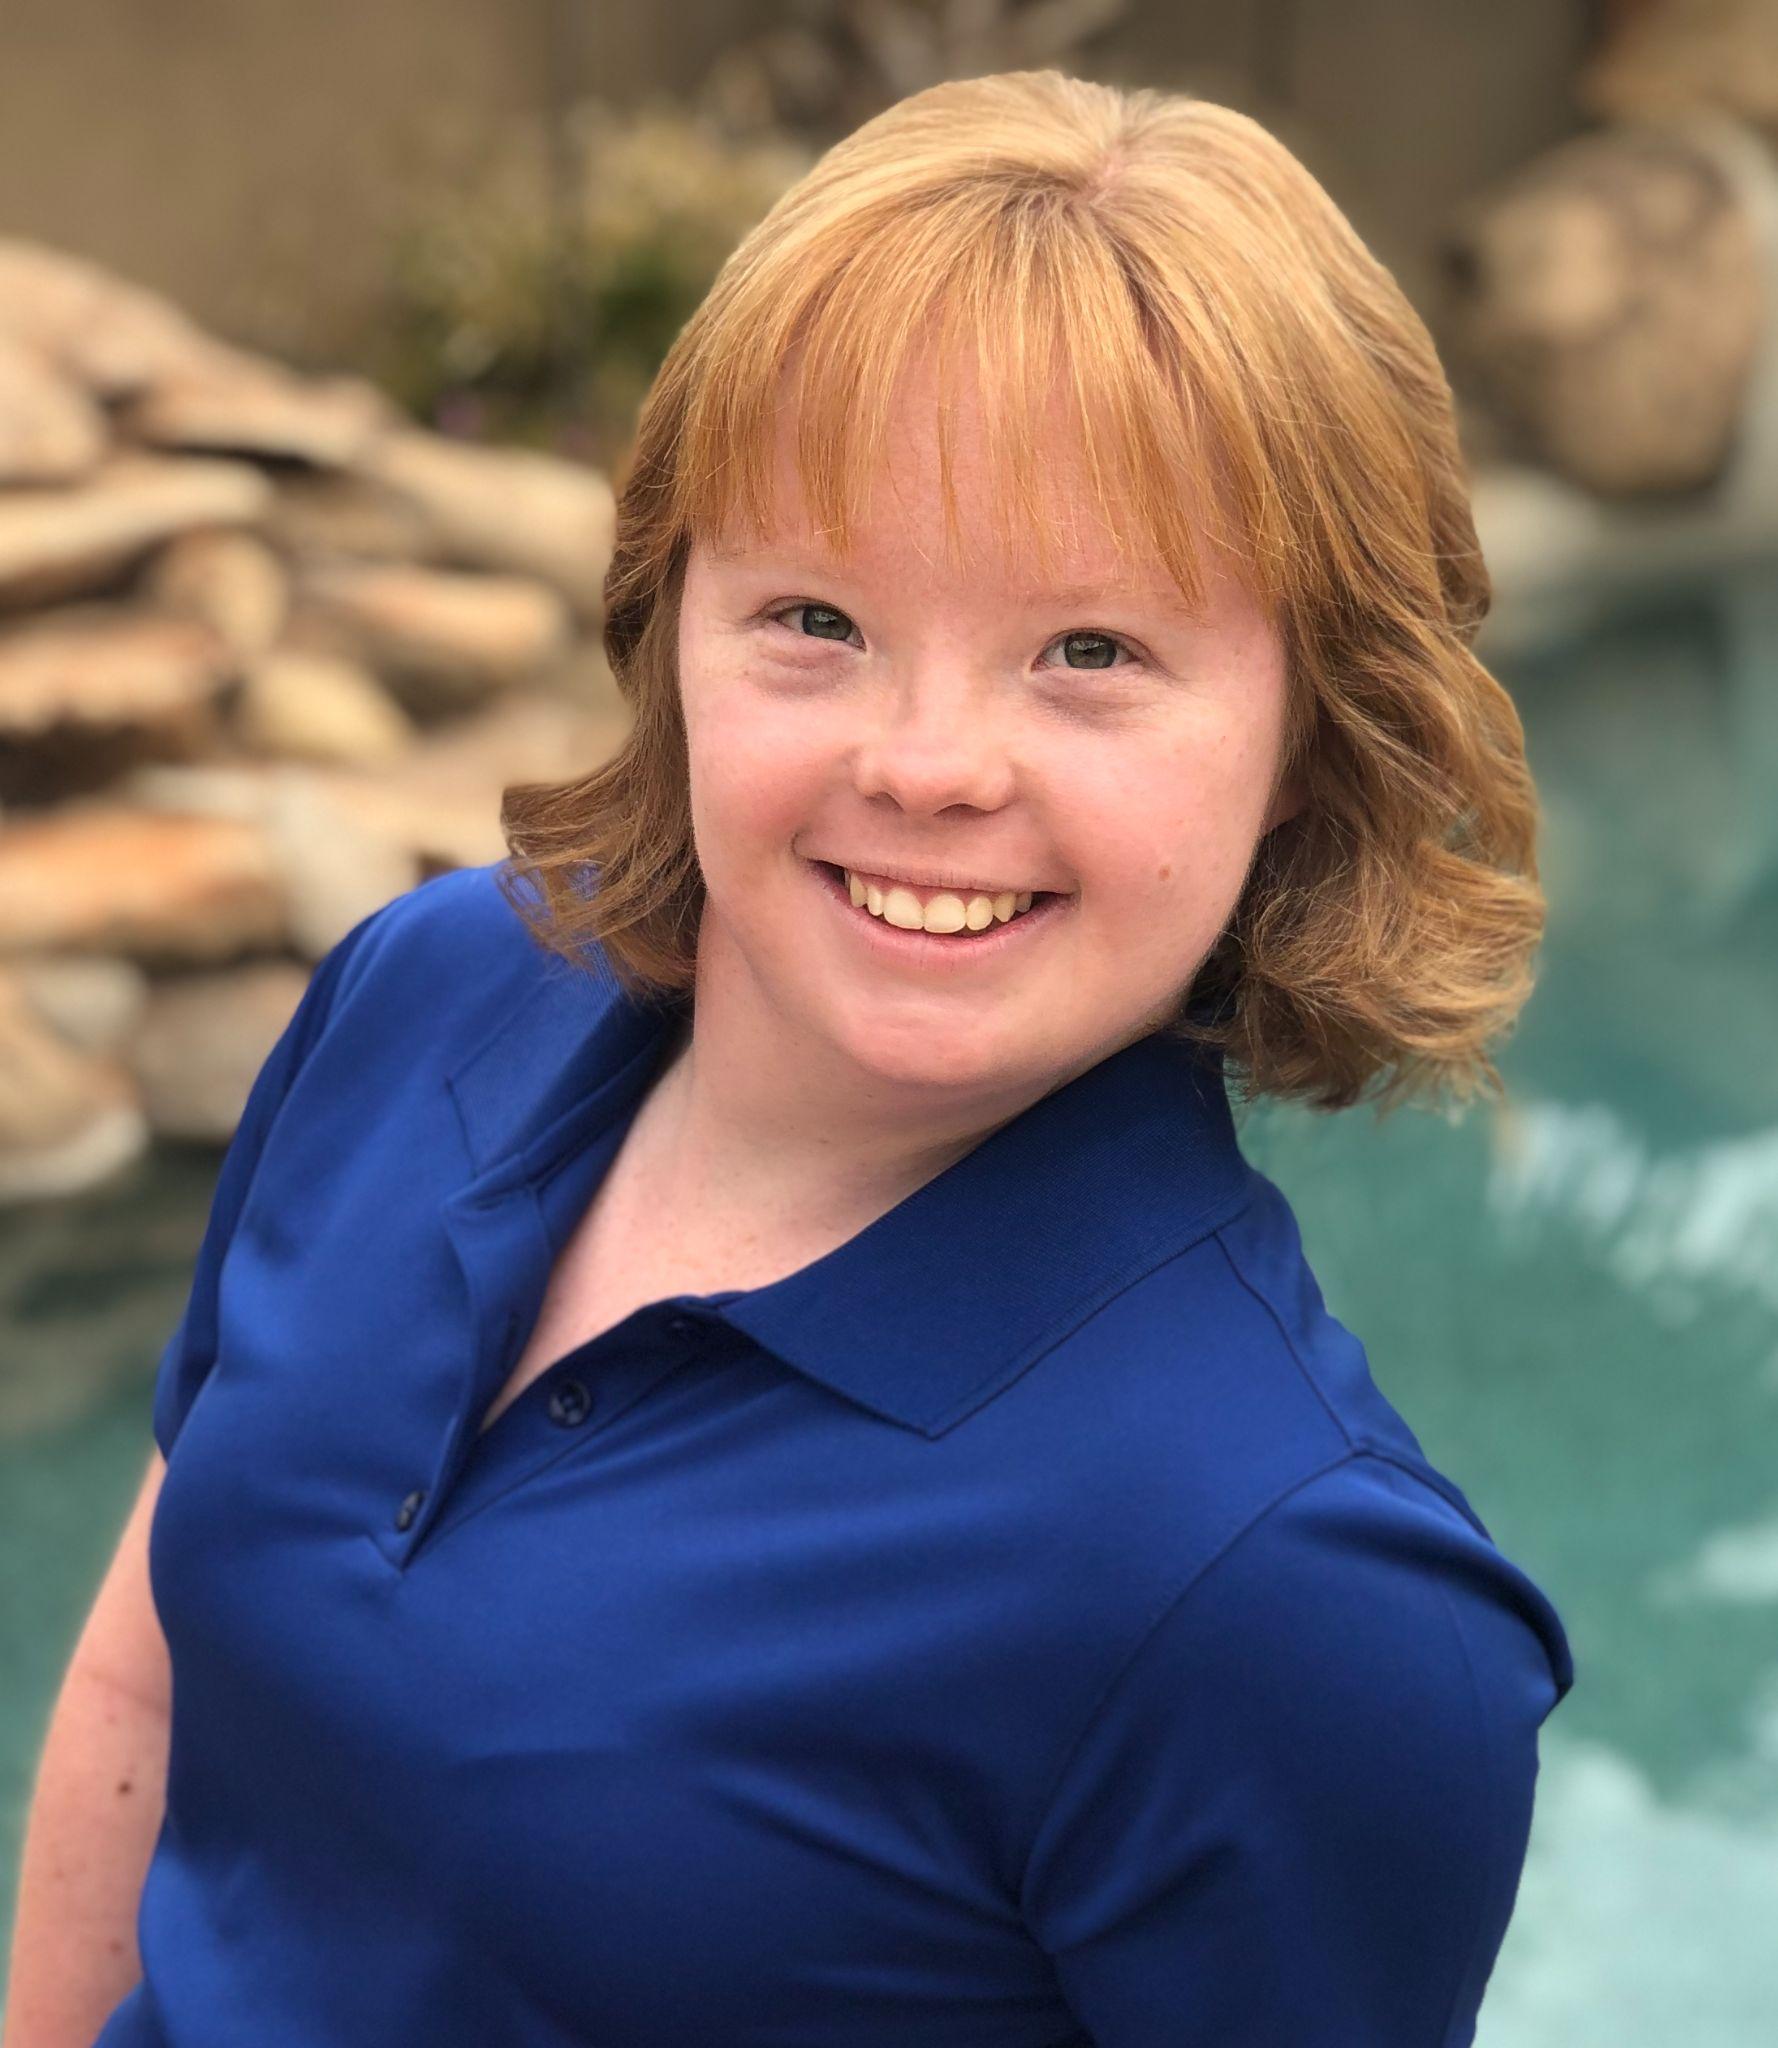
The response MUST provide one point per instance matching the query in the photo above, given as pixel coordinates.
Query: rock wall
(269, 655)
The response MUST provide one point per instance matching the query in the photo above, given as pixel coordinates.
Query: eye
(1084, 649)
(1094, 649)
(820, 621)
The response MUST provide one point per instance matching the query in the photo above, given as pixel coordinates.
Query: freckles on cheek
(742, 720)
(727, 719)
(750, 779)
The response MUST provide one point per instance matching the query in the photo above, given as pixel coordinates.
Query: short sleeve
(1299, 1811)
(191, 1349)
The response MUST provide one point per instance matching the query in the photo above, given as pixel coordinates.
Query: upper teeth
(943, 911)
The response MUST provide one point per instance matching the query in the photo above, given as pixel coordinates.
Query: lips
(933, 950)
(926, 890)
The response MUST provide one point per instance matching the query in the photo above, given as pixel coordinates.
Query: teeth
(944, 912)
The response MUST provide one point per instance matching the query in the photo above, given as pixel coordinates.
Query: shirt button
(409, 1507)
(570, 1403)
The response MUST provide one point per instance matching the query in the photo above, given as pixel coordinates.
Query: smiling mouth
(959, 919)
(978, 904)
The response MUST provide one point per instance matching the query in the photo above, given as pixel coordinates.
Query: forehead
(878, 557)
(936, 428)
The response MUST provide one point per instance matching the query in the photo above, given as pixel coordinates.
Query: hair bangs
(1024, 311)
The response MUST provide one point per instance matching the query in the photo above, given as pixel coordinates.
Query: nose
(933, 743)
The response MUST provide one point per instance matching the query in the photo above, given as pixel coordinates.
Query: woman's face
(971, 727)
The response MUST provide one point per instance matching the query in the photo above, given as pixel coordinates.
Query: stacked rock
(269, 654)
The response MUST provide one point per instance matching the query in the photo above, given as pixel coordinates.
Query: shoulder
(417, 990)
(1357, 1658)
(1242, 1315)
(1318, 1758)
(1235, 1420)
(1263, 1262)
(1357, 1584)
(454, 933)
(1218, 1380)
(440, 966)
(1357, 1600)
(1365, 1579)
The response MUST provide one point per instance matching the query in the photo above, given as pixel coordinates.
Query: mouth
(938, 950)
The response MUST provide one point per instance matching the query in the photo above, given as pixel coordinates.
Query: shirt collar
(965, 1283)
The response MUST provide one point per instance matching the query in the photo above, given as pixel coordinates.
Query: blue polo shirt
(1026, 1625)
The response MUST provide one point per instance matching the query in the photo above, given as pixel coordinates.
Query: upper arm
(121, 1643)
(1300, 1810)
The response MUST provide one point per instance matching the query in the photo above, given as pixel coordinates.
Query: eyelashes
(780, 614)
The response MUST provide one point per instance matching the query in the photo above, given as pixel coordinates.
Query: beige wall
(1400, 107)
(244, 155)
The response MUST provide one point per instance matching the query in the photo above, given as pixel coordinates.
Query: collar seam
(455, 1074)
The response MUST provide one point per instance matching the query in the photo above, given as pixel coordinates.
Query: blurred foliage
(533, 301)
(533, 305)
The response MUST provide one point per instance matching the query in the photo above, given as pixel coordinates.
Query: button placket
(502, 1254)
(572, 1398)
(567, 1399)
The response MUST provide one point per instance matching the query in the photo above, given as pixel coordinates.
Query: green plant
(535, 307)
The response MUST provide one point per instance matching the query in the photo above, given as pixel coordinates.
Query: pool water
(1573, 1300)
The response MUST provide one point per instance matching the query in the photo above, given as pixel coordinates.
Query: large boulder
(1611, 299)
(51, 430)
(445, 639)
(508, 508)
(69, 1119)
(58, 543)
(102, 876)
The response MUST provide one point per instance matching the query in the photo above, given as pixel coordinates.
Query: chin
(920, 1045)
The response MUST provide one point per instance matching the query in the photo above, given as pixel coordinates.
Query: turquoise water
(1574, 1302)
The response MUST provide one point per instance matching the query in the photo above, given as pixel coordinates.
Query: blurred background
(322, 332)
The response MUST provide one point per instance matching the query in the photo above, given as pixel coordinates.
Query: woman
(748, 1461)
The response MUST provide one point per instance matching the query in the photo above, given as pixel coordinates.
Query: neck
(777, 1136)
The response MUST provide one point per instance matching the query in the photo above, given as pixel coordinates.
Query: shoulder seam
(1271, 1310)
(1146, 1634)
(1432, 1480)
(1369, 1445)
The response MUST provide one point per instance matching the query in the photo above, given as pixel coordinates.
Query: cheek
(1173, 821)
(752, 764)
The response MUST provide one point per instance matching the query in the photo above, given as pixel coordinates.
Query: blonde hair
(1177, 276)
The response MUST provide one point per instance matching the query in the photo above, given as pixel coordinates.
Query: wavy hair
(1176, 274)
